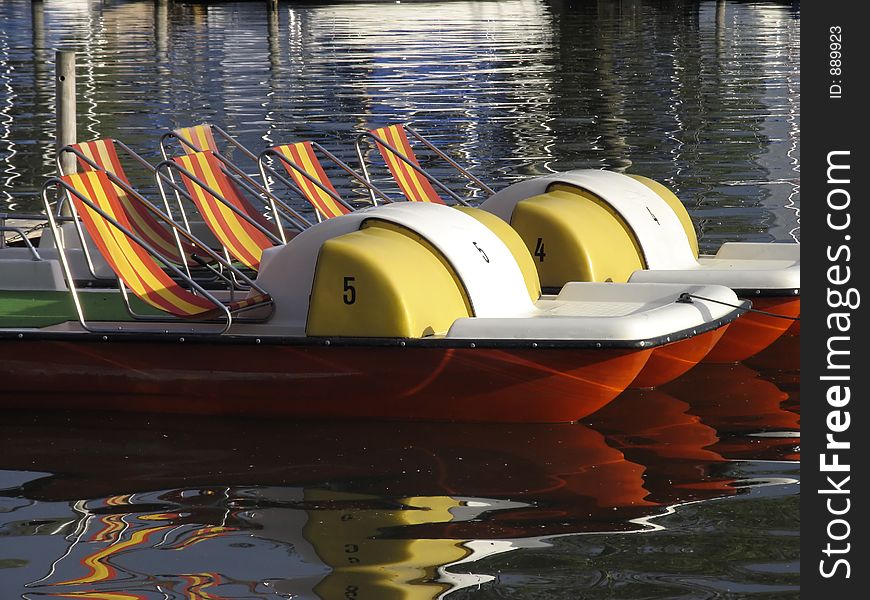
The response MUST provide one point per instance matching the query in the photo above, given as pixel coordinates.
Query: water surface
(662, 494)
(701, 96)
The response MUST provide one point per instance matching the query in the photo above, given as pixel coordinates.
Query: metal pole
(65, 81)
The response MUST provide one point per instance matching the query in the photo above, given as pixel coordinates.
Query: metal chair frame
(198, 289)
(118, 144)
(186, 142)
(394, 151)
(252, 185)
(142, 162)
(169, 165)
(272, 153)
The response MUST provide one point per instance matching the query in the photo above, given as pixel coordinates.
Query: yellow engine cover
(383, 281)
(573, 235)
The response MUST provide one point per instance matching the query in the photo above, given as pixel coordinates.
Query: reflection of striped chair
(241, 229)
(94, 200)
(103, 155)
(100, 568)
(414, 182)
(309, 179)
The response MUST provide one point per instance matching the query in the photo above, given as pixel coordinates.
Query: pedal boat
(404, 311)
(593, 225)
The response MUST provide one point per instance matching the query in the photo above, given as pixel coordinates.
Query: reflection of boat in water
(756, 417)
(389, 510)
(783, 355)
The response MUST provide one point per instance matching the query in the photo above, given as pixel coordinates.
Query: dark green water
(686, 492)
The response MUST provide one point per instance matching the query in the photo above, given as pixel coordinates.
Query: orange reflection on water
(393, 509)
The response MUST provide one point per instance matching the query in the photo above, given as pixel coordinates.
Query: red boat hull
(316, 381)
(753, 332)
(669, 362)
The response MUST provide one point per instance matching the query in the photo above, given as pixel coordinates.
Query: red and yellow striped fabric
(302, 155)
(103, 153)
(130, 262)
(414, 185)
(200, 136)
(143, 223)
(243, 241)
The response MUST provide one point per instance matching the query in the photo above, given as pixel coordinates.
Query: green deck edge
(20, 309)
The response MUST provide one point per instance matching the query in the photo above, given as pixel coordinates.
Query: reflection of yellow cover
(354, 543)
(367, 565)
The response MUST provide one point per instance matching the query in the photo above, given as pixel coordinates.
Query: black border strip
(741, 292)
(834, 407)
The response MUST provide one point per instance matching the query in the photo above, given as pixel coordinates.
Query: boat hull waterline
(317, 381)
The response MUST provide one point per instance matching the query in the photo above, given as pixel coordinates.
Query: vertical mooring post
(272, 5)
(65, 99)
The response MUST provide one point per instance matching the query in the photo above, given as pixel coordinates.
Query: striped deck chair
(416, 184)
(94, 200)
(200, 138)
(103, 154)
(100, 154)
(242, 230)
(195, 139)
(310, 179)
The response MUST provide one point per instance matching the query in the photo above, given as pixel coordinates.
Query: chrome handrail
(251, 184)
(23, 234)
(119, 144)
(449, 160)
(169, 164)
(434, 149)
(189, 144)
(271, 152)
(406, 160)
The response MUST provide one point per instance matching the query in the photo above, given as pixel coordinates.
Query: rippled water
(704, 97)
(662, 494)
(685, 492)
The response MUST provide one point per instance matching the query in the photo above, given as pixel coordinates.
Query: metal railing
(273, 153)
(368, 135)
